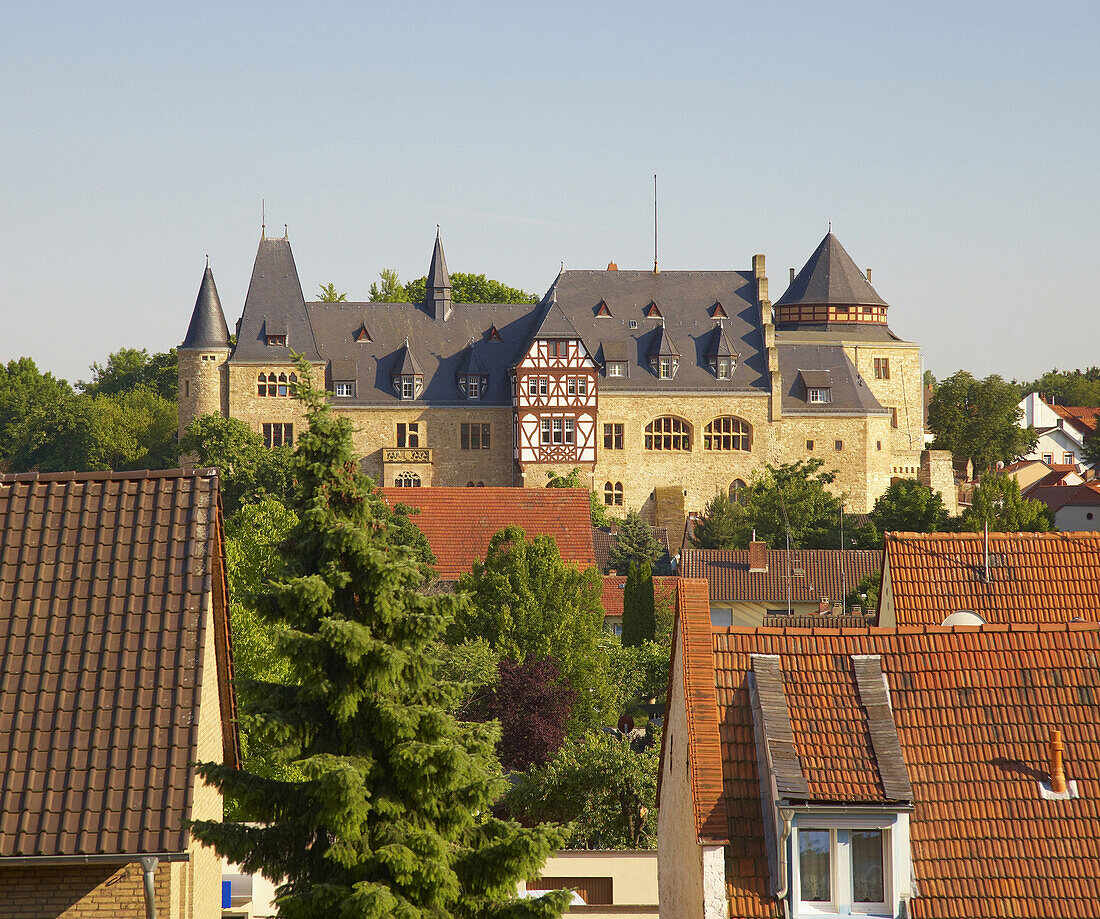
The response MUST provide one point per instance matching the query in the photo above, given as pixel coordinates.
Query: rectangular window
(868, 876)
(722, 370)
(571, 386)
(582, 386)
(408, 388)
(838, 445)
(546, 431)
(276, 340)
(1068, 459)
(474, 436)
(570, 431)
(408, 435)
(558, 428)
(809, 444)
(187, 388)
(882, 368)
(893, 417)
(819, 396)
(278, 434)
(471, 386)
(344, 388)
(612, 436)
(843, 870)
(815, 866)
(560, 349)
(532, 386)
(666, 368)
(616, 369)
(544, 386)
(1048, 458)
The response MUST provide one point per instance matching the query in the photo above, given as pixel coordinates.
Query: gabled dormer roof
(405, 363)
(831, 276)
(662, 344)
(720, 344)
(469, 364)
(207, 328)
(554, 323)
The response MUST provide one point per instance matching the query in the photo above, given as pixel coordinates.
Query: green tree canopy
(601, 787)
(979, 420)
(392, 816)
(329, 293)
(134, 368)
(796, 492)
(573, 480)
(28, 399)
(465, 288)
(998, 502)
(639, 621)
(722, 524)
(635, 544)
(526, 602)
(907, 506)
(1090, 453)
(1067, 387)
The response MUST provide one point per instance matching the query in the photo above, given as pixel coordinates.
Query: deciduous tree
(907, 506)
(329, 293)
(997, 502)
(979, 420)
(793, 494)
(133, 368)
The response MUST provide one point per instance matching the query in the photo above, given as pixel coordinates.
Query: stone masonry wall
(82, 892)
(903, 391)
(202, 384)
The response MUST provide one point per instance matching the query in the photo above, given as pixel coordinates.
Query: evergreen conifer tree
(393, 816)
(635, 543)
(638, 609)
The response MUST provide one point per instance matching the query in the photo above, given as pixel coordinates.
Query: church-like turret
(438, 287)
(829, 289)
(203, 382)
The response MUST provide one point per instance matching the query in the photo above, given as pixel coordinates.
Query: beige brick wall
(903, 391)
(82, 892)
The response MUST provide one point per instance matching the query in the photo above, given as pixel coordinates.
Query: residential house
(944, 578)
(117, 679)
(764, 586)
(660, 386)
(1072, 507)
(922, 771)
(1062, 429)
(459, 523)
(609, 884)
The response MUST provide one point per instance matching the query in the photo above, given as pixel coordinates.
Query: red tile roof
(1056, 497)
(1057, 476)
(1033, 577)
(460, 522)
(104, 579)
(1082, 416)
(727, 573)
(611, 595)
(973, 709)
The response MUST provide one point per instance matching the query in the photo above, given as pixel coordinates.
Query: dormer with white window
(837, 826)
(817, 386)
(664, 357)
(407, 377)
(471, 375)
(721, 354)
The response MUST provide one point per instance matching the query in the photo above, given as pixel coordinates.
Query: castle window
(408, 435)
(613, 494)
(668, 433)
(737, 491)
(474, 436)
(819, 396)
(633, 323)
(893, 417)
(471, 387)
(727, 433)
(809, 444)
(838, 445)
(408, 386)
(282, 384)
(665, 367)
(882, 368)
(612, 436)
(616, 368)
(407, 480)
(538, 386)
(187, 388)
(722, 367)
(344, 388)
(559, 348)
(277, 434)
(277, 340)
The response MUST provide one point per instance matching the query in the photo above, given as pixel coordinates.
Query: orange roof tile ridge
(701, 701)
(109, 476)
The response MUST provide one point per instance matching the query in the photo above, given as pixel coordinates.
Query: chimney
(823, 606)
(758, 557)
(611, 266)
(792, 275)
(868, 275)
(1057, 774)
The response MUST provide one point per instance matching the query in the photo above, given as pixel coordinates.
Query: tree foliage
(907, 506)
(392, 814)
(601, 786)
(533, 704)
(465, 288)
(635, 544)
(998, 502)
(865, 593)
(721, 525)
(639, 673)
(979, 420)
(134, 368)
(639, 623)
(1066, 387)
(390, 290)
(329, 293)
(526, 602)
(572, 479)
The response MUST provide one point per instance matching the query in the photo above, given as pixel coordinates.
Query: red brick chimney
(823, 606)
(611, 266)
(1057, 773)
(758, 557)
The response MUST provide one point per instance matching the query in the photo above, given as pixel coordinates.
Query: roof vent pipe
(868, 275)
(1057, 773)
(792, 275)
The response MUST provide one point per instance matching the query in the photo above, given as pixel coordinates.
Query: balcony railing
(406, 455)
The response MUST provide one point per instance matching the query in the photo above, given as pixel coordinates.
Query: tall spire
(438, 286)
(207, 328)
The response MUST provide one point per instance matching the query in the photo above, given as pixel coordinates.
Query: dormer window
(343, 389)
(722, 367)
(616, 368)
(408, 386)
(277, 340)
(819, 396)
(472, 386)
(841, 870)
(665, 366)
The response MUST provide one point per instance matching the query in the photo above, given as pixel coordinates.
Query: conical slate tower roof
(207, 328)
(720, 344)
(830, 276)
(438, 275)
(663, 345)
(406, 363)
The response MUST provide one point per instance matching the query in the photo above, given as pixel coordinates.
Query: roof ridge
(110, 475)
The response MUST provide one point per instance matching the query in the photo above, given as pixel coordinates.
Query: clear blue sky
(954, 146)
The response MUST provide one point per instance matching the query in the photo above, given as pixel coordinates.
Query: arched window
(668, 433)
(272, 384)
(737, 490)
(407, 480)
(469, 484)
(282, 384)
(261, 386)
(613, 494)
(727, 433)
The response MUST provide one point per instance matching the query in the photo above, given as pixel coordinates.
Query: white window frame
(344, 389)
(616, 369)
(840, 869)
(408, 387)
(819, 395)
(723, 368)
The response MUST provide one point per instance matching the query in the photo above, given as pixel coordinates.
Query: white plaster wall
(679, 855)
(715, 905)
(1077, 519)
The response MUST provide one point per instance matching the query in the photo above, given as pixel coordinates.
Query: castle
(663, 387)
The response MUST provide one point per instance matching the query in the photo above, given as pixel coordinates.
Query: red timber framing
(554, 403)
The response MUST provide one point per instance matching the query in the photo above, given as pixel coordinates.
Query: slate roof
(103, 583)
(603, 538)
(611, 594)
(207, 328)
(438, 275)
(831, 276)
(802, 363)
(972, 709)
(1033, 577)
(460, 522)
(726, 571)
(275, 305)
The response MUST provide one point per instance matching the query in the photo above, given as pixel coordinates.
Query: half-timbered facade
(663, 388)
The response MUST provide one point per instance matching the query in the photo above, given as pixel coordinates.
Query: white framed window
(666, 368)
(558, 431)
(841, 870)
(343, 388)
(408, 390)
(582, 386)
(616, 369)
(1069, 459)
(1048, 458)
(819, 395)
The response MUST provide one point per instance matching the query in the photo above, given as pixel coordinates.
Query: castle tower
(829, 290)
(203, 374)
(438, 292)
